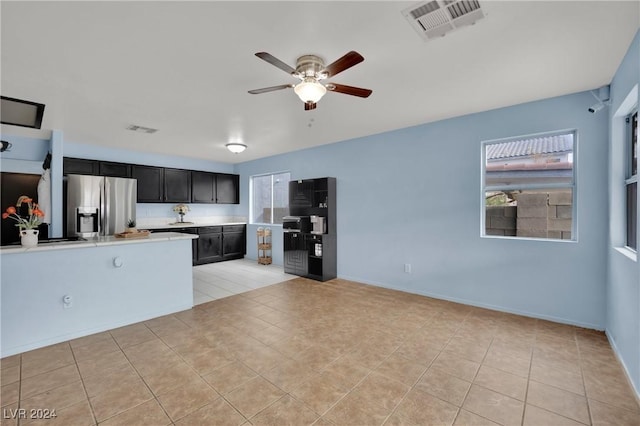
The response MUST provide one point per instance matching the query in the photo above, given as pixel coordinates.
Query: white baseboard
(561, 320)
(635, 388)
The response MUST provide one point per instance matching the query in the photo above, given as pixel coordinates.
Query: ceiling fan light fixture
(309, 90)
(236, 147)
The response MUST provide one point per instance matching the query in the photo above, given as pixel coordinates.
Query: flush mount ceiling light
(236, 147)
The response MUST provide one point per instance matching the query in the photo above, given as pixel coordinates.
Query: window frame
(631, 178)
(261, 175)
(573, 186)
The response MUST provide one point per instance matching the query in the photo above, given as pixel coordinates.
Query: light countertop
(189, 225)
(99, 242)
(192, 221)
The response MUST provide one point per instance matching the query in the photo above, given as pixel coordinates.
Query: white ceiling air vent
(435, 18)
(141, 129)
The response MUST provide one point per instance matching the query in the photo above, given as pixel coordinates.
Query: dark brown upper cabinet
(227, 189)
(79, 166)
(150, 183)
(177, 186)
(203, 187)
(107, 168)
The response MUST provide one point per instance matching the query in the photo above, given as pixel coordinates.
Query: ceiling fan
(310, 69)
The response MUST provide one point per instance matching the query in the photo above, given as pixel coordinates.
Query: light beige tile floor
(336, 353)
(223, 279)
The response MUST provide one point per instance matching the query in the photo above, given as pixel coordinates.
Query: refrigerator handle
(107, 207)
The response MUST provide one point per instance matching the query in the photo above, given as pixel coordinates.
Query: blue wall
(623, 280)
(26, 154)
(413, 196)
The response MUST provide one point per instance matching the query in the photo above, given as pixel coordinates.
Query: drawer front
(233, 228)
(210, 230)
(183, 230)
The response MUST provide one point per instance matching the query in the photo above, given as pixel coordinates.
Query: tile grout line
(19, 390)
(194, 370)
(155, 397)
(412, 387)
(526, 392)
(584, 384)
(84, 388)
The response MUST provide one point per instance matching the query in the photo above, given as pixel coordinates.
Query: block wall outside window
(529, 187)
(269, 198)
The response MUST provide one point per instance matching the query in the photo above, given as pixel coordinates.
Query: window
(632, 181)
(528, 186)
(270, 197)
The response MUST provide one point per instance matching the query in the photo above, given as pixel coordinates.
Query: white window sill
(628, 253)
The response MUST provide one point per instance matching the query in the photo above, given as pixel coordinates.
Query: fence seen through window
(270, 198)
(529, 187)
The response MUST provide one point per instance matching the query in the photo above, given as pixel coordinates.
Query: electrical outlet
(407, 268)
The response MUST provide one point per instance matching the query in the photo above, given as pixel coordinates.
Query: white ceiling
(185, 67)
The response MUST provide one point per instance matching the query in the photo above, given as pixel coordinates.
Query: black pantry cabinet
(308, 254)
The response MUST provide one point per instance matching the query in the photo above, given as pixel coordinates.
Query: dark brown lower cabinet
(215, 243)
(209, 244)
(234, 241)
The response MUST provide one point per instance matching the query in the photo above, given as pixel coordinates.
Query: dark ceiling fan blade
(308, 106)
(270, 89)
(275, 62)
(347, 61)
(349, 90)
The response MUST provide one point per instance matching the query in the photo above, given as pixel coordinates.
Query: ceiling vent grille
(141, 129)
(435, 18)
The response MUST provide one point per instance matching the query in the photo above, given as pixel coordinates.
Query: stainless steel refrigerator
(98, 205)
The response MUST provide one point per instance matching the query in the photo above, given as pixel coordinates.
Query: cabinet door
(106, 168)
(203, 187)
(289, 260)
(177, 186)
(150, 183)
(227, 189)
(210, 247)
(79, 166)
(295, 254)
(300, 195)
(234, 242)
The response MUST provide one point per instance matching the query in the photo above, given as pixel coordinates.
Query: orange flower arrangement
(34, 213)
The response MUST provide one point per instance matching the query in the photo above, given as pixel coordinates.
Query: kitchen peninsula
(56, 292)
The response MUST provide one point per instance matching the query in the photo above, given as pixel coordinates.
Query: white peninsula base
(54, 293)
